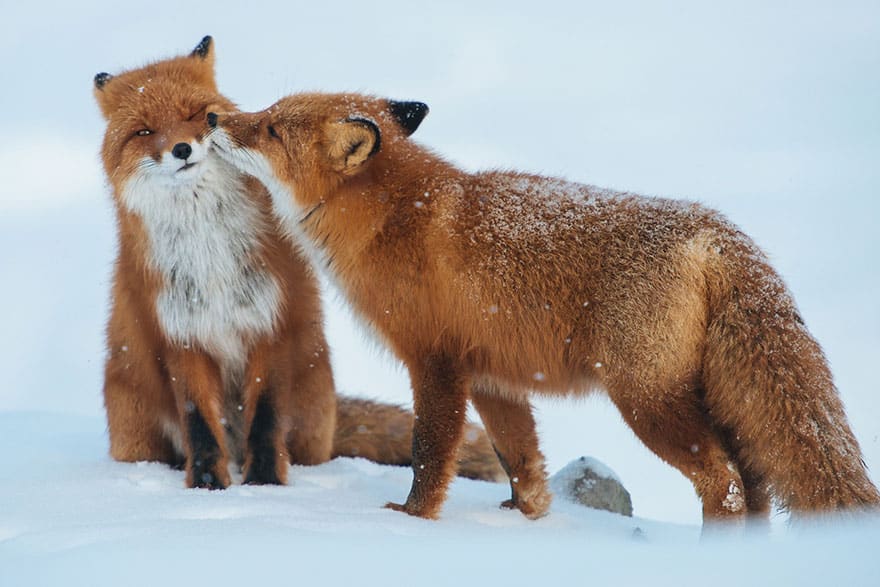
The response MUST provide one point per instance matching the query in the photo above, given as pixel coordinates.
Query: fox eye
(144, 132)
(272, 132)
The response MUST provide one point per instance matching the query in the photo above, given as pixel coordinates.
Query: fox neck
(354, 218)
(204, 242)
(370, 235)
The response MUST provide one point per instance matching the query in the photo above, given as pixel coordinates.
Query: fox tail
(382, 433)
(768, 382)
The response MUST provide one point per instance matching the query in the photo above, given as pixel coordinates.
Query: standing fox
(216, 349)
(492, 285)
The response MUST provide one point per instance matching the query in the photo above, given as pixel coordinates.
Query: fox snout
(232, 123)
(234, 129)
(182, 151)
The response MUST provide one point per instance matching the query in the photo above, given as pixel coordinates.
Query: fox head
(306, 145)
(156, 118)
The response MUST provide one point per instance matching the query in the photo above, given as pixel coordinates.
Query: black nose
(182, 151)
(212, 120)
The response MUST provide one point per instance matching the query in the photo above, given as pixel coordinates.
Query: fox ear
(101, 80)
(352, 142)
(205, 49)
(105, 99)
(408, 114)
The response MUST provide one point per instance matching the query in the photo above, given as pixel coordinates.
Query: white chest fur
(205, 241)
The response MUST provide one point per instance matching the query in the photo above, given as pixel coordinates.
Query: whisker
(310, 212)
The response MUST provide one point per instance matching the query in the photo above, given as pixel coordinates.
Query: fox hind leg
(678, 429)
(136, 430)
(310, 412)
(757, 492)
(142, 420)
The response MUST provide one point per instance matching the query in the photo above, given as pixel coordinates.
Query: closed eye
(197, 114)
(273, 133)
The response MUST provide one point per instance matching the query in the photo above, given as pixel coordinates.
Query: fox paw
(533, 508)
(265, 472)
(208, 480)
(407, 509)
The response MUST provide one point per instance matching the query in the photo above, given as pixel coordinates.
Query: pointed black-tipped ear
(101, 80)
(408, 114)
(203, 49)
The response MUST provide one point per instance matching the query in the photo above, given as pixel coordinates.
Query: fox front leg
(440, 393)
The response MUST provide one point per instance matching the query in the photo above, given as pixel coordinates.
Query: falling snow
(72, 516)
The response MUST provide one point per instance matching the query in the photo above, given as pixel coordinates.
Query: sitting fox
(495, 285)
(216, 348)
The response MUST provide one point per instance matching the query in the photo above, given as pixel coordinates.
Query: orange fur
(216, 349)
(495, 285)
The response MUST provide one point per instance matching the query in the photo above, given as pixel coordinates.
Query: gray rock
(589, 482)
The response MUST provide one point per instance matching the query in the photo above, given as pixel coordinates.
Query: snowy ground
(766, 111)
(72, 517)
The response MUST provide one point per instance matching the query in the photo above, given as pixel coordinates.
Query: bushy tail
(383, 433)
(768, 383)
